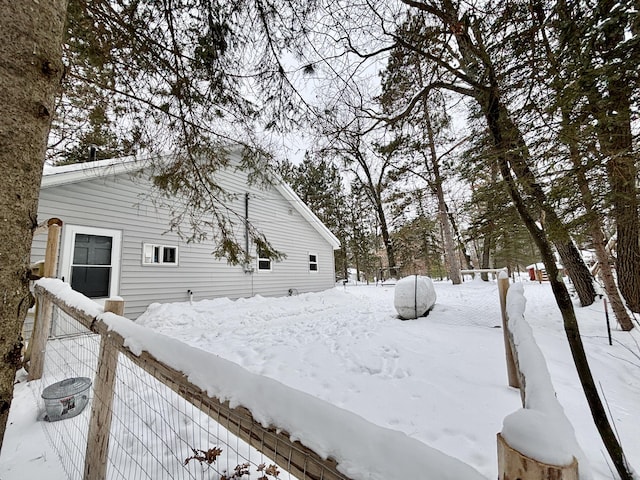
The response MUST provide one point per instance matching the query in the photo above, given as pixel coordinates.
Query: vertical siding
(122, 203)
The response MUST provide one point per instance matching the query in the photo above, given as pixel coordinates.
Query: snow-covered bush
(414, 296)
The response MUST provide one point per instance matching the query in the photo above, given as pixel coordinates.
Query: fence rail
(275, 444)
(480, 271)
(190, 443)
(134, 360)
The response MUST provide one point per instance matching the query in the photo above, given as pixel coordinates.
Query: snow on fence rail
(537, 441)
(163, 409)
(475, 271)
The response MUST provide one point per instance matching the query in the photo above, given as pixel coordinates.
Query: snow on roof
(81, 172)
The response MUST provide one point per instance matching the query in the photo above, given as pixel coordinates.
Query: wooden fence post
(513, 465)
(95, 462)
(42, 323)
(51, 252)
(114, 305)
(512, 371)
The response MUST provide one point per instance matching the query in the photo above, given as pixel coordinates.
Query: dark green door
(91, 267)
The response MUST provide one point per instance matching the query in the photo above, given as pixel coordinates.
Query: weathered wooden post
(51, 252)
(42, 323)
(95, 462)
(513, 465)
(512, 371)
(37, 271)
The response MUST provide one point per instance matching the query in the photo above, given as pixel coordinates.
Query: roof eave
(92, 171)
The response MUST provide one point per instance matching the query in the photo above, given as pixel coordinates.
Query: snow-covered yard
(440, 379)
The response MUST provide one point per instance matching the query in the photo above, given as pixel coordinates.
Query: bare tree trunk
(486, 250)
(426, 246)
(30, 70)
(386, 238)
(606, 274)
(451, 259)
(427, 257)
(615, 138)
(344, 259)
(466, 258)
(576, 269)
(622, 172)
(488, 236)
(357, 268)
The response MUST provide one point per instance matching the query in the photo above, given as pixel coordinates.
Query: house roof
(80, 172)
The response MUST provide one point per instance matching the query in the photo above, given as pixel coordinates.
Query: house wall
(123, 203)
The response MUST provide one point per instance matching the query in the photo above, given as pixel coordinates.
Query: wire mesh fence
(71, 352)
(161, 428)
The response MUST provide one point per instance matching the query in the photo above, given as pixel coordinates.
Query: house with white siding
(116, 240)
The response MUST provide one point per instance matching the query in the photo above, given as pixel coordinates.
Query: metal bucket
(66, 399)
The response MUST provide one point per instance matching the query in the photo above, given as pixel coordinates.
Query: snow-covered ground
(440, 379)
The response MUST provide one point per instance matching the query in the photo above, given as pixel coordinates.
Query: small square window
(159, 254)
(264, 262)
(313, 262)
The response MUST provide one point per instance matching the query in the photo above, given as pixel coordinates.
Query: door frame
(68, 244)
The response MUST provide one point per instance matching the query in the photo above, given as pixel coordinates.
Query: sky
(343, 372)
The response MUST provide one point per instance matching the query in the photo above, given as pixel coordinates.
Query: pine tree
(405, 73)
(417, 236)
(597, 59)
(320, 186)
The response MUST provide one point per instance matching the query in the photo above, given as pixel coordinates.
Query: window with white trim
(313, 262)
(159, 254)
(264, 262)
